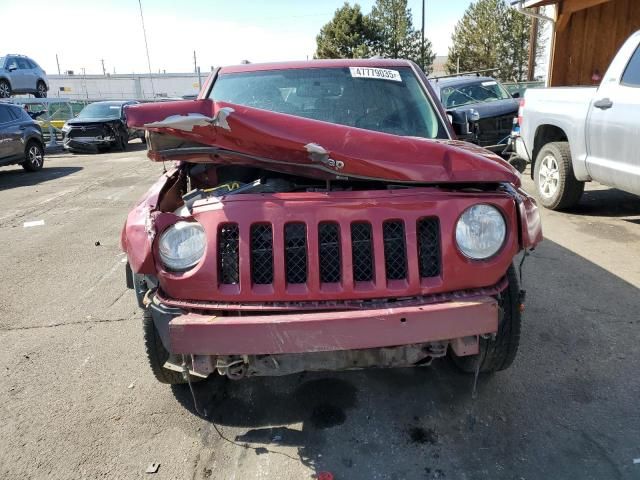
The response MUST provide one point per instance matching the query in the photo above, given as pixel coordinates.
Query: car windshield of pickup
(479, 92)
(101, 110)
(396, 104)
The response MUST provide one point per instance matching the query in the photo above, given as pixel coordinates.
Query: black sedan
(486, 103)
(99, 126)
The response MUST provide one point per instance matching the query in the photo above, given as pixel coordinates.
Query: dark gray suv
(20, 139)
(20, 74)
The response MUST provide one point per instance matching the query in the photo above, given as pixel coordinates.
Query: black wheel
(33, 157)
(41, 90)
(123, 140)
(557, 186)
(5, 89)
(498, 354)
(158, 355)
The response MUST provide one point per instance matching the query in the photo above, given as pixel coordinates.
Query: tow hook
(234, 368)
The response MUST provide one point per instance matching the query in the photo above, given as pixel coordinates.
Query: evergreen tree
(387, 31)
(491, 35)
(349, 34)
(396, 37)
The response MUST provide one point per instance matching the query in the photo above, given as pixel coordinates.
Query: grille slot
(329, 245)
(228, 267)
(429, 247)
(395, 251)
(295, 239)
(362, 251)
(261, 254)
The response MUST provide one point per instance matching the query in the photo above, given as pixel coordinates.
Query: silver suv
(20, 74)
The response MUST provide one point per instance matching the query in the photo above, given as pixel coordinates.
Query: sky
(223, 32)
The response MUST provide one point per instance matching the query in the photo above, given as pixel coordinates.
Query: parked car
(323, 216)
(20, 139)
(98, 127)
(20, 74)
(576, 135)
(488, 106)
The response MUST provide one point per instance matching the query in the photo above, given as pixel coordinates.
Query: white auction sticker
(380, 73)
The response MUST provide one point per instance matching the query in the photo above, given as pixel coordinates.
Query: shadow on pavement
(18, 177)
(567, 408)
(607, 203)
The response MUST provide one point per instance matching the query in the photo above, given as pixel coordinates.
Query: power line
(146, 46)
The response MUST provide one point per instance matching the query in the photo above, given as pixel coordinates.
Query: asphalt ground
(77, 399)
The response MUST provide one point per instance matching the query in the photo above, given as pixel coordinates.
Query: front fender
(530, 221)
(139, 231)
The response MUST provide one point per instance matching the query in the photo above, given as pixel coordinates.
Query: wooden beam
(569, 7)
(562, 21)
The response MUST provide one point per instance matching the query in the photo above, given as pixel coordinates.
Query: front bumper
(87, 143)
(457, 322)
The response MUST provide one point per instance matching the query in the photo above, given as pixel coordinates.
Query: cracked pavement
(77, 399)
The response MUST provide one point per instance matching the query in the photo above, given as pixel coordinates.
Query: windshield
(479, 92)
(383, 100)
(101, 110)
(2, 62)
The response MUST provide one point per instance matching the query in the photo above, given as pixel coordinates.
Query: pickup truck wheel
(33, 157)
(158, 355)
(498, 353)
(557, 186)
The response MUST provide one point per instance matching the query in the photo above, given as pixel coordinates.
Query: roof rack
(462, 74)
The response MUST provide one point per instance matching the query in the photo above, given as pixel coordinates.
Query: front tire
(498, 353)
(158, 355)
(557, 186)
(5, 89)
(123, 141)
(33, 157)
(41, 90)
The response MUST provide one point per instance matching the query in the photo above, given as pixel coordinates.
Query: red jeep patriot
(321, 215)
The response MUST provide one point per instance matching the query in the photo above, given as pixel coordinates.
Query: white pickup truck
(575, 135)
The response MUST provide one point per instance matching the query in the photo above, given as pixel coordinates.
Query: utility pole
(533, 40)
(58, 63)
(422, 45)
(104, 72)
(146, 46)
(197, 70)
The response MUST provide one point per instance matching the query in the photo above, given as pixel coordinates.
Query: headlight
(65, 128)
(480, 231)
(182, 246)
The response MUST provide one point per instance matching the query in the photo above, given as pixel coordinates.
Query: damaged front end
(91, 136)
(279, 244)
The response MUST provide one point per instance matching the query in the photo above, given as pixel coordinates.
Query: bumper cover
(199, 334)
(87, 143)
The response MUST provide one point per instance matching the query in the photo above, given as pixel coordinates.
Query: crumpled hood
(226, 133)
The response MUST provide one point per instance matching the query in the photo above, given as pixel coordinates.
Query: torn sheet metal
(285, 143)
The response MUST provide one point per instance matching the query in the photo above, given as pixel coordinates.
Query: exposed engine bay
(200, 181)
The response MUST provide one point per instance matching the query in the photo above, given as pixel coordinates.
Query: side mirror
(515, 95)
(12, 67)
(463, 123)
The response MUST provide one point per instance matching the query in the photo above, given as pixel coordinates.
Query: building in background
(125, 86)
(586, 37)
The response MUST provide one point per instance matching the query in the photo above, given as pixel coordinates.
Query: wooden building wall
(590, 40)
